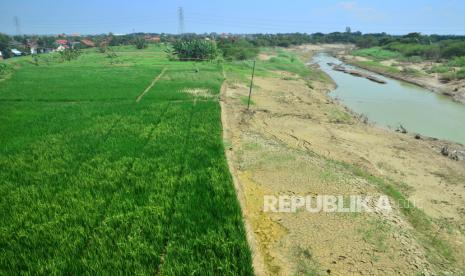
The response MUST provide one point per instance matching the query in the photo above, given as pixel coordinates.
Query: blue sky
(238, 16)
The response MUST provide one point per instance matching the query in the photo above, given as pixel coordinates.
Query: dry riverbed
(296, 140)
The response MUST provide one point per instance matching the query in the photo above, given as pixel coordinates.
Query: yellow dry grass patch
(198, 92)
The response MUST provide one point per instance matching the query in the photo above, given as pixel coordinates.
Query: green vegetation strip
(377, 53)
(94, 183)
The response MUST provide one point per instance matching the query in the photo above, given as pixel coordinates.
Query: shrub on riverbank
(237, 49)
(439, 69)
(450, 76)
(377, 53)
(457, 62)
(415, 49)
(461, 74)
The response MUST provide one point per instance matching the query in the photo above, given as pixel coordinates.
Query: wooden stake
(251, 84)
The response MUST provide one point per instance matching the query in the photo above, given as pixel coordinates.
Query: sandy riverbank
(297, 141)
(431, 81)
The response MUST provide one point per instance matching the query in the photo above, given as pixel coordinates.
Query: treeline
(245, 46)
(432, 47)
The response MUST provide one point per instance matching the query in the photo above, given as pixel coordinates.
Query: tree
(4, 45)
(69, 54)
(240, 49)
(194, 50)
(46, 42)
(412, 37)
(453, 49)
(348, 30)
(367, 42)
(140, 43)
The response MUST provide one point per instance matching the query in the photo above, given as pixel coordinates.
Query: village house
(87, 42)
(105, 42)
(16, 52)
(152, 38)
(61, 42)
(74, 44)
(62, 45)
(61, 48)
(32, 44)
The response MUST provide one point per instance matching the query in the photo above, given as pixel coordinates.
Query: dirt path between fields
(151, 85)
(257, 259)
(294, 142)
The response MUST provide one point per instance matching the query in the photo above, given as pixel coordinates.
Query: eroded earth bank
(295, 140)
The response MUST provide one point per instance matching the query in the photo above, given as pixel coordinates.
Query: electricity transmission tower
(17, 25)
(180, 20)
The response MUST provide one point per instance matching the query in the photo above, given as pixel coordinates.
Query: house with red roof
(61, 42)
(88, 42)
(154, 38)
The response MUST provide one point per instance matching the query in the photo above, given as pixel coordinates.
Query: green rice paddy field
(92, 181)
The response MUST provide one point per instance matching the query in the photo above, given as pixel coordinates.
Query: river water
(396, 102)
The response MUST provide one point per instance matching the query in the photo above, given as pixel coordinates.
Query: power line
(212, 23)
(17, 25)
(180, 20)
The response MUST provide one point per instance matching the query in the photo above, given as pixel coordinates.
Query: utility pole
(251, 84)
(17, 25)
(180, 20)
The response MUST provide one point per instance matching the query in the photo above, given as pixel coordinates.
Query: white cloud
(348, 6)
(361, 12)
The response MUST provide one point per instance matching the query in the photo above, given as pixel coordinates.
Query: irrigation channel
(395, 102)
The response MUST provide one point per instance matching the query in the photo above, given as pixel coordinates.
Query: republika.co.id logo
(326, 203)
